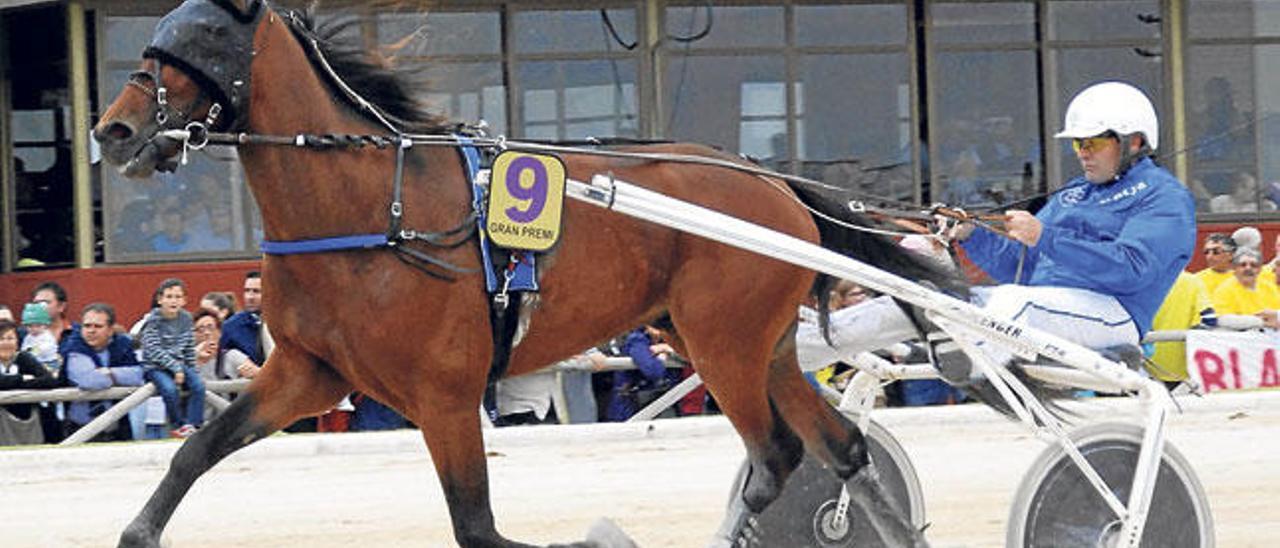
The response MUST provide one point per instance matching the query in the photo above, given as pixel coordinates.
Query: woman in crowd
(19, 370)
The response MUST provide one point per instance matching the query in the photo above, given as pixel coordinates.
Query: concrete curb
(47, 460)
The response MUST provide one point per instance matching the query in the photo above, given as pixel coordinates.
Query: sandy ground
(665, 483)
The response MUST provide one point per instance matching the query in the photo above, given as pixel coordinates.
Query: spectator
(206, 330)
(39, 342)
(54, 298)
(1243, 295)
(1187, 305)
(633, 388)
(98, 358)
(1243, 197)
(526, 399)
(19, 424)
(1247, 236)
(244, 335)
(169, 356)
(1268, 273)
(1218, 249)
(580, 399)
(216, 233)
(220, 302)
(369, 415)
(172, 237)
(7, 314)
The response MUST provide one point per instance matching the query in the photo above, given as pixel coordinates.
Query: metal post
(78, 77)
(108, 418)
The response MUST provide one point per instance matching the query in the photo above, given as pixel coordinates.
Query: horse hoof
(138, 537)
(604, 533)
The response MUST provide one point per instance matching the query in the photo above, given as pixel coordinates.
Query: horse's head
(195, 76)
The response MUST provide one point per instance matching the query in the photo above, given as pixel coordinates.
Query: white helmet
(1111, 106)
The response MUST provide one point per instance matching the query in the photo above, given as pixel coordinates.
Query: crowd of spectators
(175, 347)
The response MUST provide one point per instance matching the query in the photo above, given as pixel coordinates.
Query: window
(39, 126)
(203, 210)
(985, 114)
(1091, 41)
(1233, 106)
(576, 78)
(457, 57)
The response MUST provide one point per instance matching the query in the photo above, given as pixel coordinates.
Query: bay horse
(363, 319)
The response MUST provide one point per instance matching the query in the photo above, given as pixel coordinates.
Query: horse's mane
(368, 73)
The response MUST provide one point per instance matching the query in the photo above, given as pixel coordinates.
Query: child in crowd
(40, 342)
(169, 357)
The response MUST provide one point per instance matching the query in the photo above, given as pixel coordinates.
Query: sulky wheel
(1056, 506)
(804, 514)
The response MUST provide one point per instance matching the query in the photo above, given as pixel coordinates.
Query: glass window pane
(126, 37)
(858, 129)
(200, 210)
(705, 96)
(731, 26)
(579, 98)
(983, 23)
(1233, 18)
(987, 128)
(203, 211)
(1104, 19)
(1079, 68)
(565, 31)
(851, 25)
(1233, 134)
(443, 32)
(467, 92)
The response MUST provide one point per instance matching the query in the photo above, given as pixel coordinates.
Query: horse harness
(218, 59)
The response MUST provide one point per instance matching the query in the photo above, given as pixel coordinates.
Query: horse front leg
(291, 385)
(453, 436)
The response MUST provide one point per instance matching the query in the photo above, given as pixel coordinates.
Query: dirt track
(665, 485)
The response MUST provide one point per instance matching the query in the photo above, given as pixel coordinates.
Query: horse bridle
(169, 116)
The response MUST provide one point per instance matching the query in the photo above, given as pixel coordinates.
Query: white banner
(1231, 361)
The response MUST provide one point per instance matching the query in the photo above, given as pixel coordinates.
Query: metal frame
(965, 322)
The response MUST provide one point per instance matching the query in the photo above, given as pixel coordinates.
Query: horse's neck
(305, 193)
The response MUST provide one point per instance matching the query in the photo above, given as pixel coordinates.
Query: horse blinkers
(211, 42)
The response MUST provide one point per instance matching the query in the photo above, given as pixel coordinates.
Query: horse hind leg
(291, 386)
(733, 367)
(836, 441)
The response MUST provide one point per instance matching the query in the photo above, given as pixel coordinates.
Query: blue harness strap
(524, 275)
(321, 245)
(522, 272)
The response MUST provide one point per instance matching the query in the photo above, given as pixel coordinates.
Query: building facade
(916, 100)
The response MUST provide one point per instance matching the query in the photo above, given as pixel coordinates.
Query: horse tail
(884, 253)
(848, 238)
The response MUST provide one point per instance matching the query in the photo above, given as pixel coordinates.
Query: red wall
(127, 288)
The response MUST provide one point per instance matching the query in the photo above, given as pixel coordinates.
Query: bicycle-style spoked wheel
(1056, 506)
(804, 515)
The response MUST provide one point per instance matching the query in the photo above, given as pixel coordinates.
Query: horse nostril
(118, 131)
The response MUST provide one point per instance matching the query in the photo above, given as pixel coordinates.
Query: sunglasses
(1214, 251)
(1092, 144)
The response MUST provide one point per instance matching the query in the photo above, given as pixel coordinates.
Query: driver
(1092, 266)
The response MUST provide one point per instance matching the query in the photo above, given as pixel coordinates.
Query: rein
(230, 87)
(863, 204)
